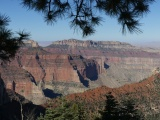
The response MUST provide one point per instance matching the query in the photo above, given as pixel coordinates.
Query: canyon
(120, 63)
(72, 66)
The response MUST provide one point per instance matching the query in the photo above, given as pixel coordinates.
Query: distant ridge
(91, 43)
(31, 43)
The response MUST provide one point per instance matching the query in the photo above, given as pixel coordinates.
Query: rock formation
(70, 66)
(120, 63)
(31, 43)
(34, 70)
(57, 67)
(22, 82)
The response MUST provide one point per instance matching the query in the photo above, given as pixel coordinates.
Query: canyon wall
(119, 63)
(58, 67)
(70, 66)
(22, 82)
(33, 70)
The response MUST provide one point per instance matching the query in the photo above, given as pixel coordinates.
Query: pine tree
(82, 115)
(83, 15)
(65, 111)
(111, 110)
(9, 43)
(40, 117)
(119, 111)
(49, 114)
(129, 112)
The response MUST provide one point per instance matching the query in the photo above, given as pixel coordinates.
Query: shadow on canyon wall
(49, 93)
(106, 66)
(82, 80)
(92, 72)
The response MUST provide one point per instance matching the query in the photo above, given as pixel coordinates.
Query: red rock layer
(55, 67)
(16, 79)
(98, 94)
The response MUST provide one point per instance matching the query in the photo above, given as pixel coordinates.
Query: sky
(109, 30)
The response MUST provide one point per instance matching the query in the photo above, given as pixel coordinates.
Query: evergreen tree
(119, 111)
(129, 112)
(9, 44)
(66, 111)
(111, 110)
(82, 115)
(49, 114)
(41, 117)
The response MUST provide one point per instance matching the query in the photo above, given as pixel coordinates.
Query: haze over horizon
(110, 30)
(153, 44)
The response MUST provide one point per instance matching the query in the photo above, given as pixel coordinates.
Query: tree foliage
(119, 111)
(85, 15)
(66, 111)
(9, 43)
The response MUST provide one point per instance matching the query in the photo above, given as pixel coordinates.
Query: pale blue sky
(33, 22)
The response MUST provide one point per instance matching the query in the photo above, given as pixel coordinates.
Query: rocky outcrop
(31, 43)
(20, 81)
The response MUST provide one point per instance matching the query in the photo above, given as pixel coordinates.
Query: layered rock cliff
(120, 63)
(19, 80)
(57, 67)
(71, 66)
(33, 70)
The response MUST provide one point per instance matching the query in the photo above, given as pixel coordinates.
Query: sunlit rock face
(22, 82)
(31, 43)
(33, 70)
(57, 67)
(119, 63)
(71, 66)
